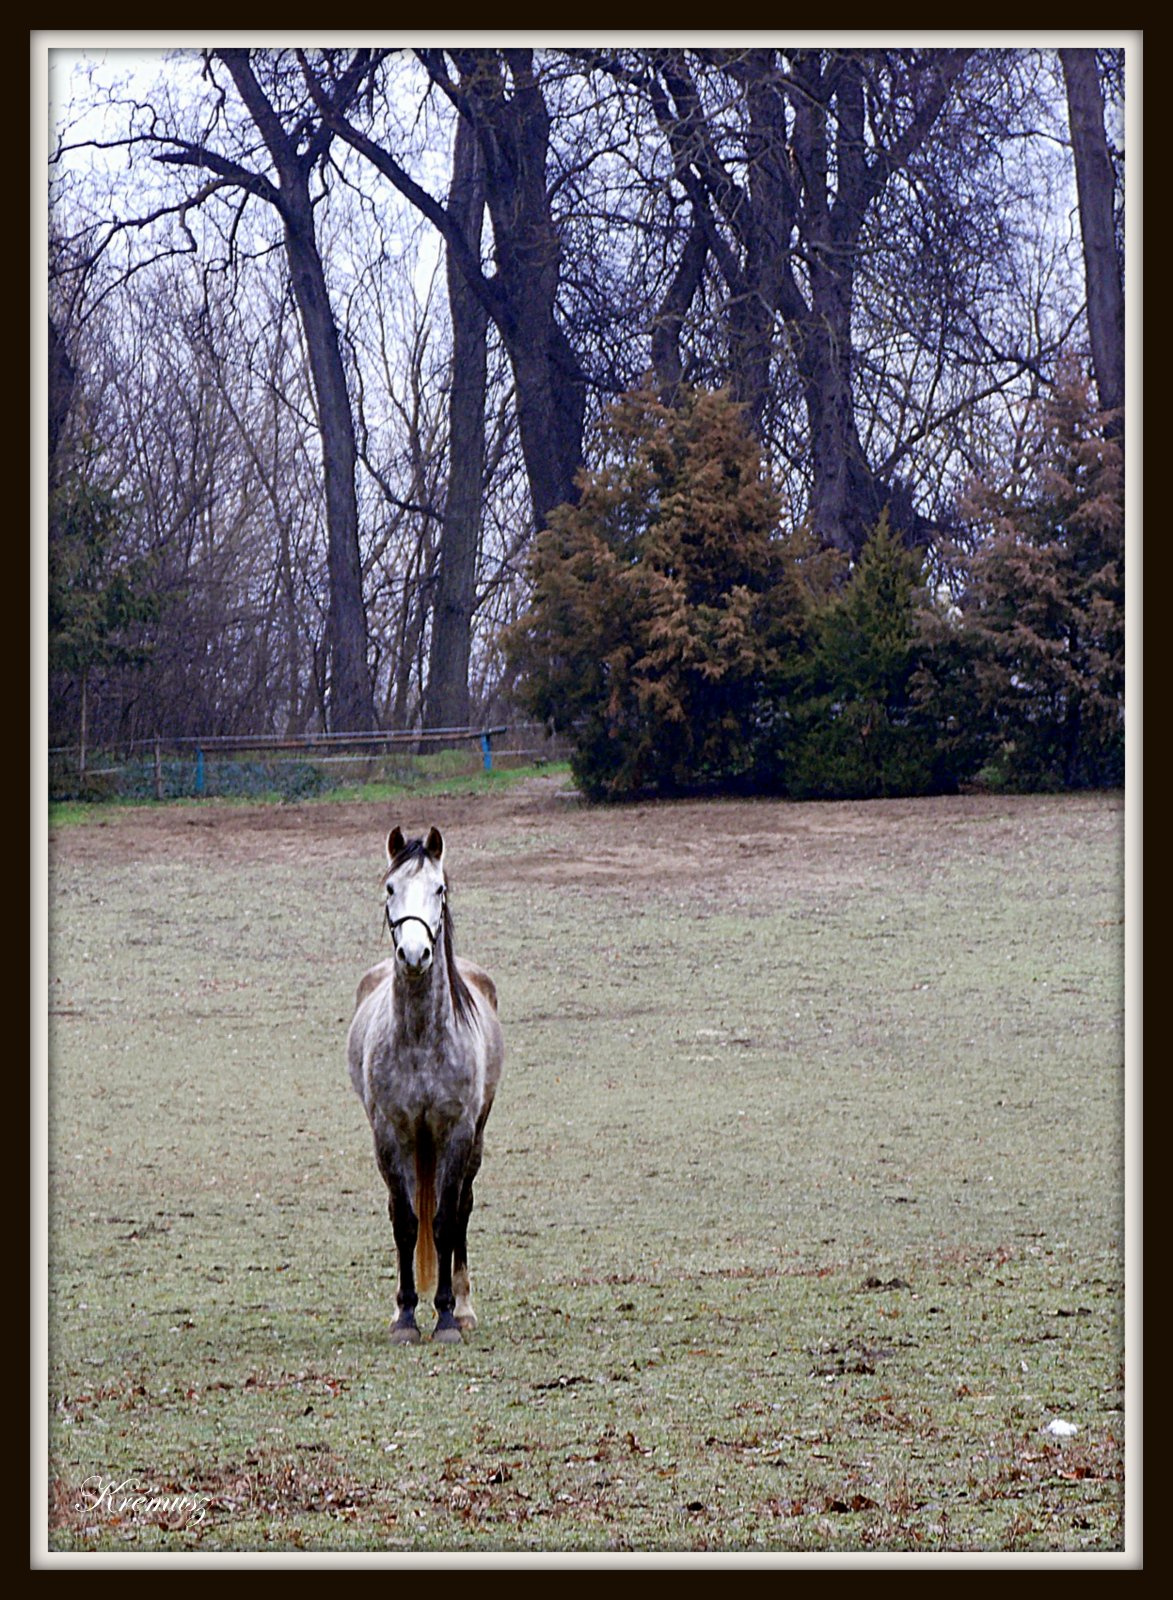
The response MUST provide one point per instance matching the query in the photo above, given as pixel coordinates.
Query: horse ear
(395, 843)
(434, 845)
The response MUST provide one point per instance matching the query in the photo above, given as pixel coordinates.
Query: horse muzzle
(415, 963)
(415, 947)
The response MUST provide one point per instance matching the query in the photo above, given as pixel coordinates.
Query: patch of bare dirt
(549, 836)
(230, 831)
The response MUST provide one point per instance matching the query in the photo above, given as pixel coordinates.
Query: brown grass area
(801, 1206)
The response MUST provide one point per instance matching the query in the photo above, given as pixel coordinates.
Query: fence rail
(294, 765)
(311, 741)
(299, 741)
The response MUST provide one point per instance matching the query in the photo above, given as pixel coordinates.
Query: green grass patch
(437, 776)
(444, 773)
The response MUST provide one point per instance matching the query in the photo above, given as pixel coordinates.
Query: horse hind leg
(466, 1317)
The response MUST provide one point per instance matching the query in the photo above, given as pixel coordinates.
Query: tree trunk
(351, 702)
(785, 237)
(551, 405)
(447, 699)
(500, 95)
(847, 496)
(827, 390)
(771, 213)
(1095, 185)
(667, 363)
(61, 384)
(514, 133)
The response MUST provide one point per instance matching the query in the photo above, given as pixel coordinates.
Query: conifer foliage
(687, 640)
(1040, 669)
(853, 728)
(657, 608)
(99, 599)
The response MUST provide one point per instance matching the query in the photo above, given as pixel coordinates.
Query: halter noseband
(433, 933)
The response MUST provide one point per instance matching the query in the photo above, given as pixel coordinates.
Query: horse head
(416, 888)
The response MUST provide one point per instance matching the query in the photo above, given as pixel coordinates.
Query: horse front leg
(453, 1203)
(466, 1317)
(405, 1228)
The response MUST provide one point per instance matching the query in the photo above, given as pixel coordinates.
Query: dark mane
(462, 1000)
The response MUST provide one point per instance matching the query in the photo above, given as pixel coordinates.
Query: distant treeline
(335, 338)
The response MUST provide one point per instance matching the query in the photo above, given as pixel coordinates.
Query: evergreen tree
(657, 605)
(853, 730)
(1041, 658)
(99, 599)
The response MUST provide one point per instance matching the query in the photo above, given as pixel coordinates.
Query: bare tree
(447, 703)
(499, 93)
(1095, 184)
(851, 240)
(297, 145)
(61, 385)
(783, 159)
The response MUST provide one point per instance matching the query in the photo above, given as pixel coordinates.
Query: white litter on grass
(1060, 1429)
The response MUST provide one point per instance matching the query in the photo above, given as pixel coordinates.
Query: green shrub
(845, 724)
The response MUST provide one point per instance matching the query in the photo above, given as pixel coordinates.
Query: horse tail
(426, 1267)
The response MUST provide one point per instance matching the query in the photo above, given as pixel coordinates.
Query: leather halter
(433, 933)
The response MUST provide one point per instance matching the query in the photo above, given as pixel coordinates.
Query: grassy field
(801, 1216)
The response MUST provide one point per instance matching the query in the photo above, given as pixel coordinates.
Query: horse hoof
(447, 1335)
(466, 1321)
(405, 1333)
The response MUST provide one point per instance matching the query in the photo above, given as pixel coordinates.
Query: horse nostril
(416, 964)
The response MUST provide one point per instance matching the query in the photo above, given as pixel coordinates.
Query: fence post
(81, 749)
(158, 772)
(487, 748)
(199, 783)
